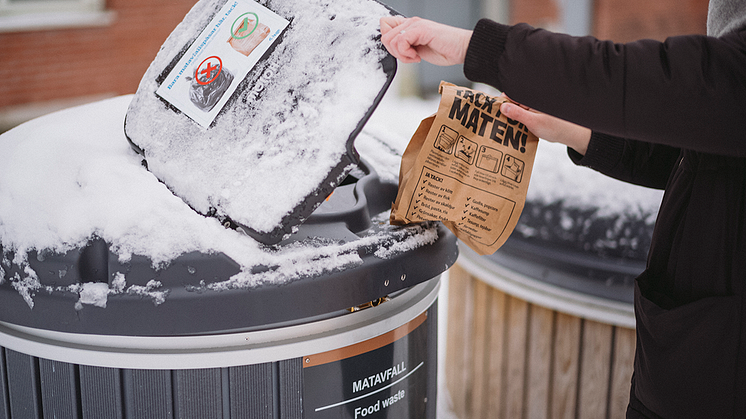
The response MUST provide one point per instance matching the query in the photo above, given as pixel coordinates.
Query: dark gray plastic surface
(596, 255)
(190, 308)
(42, 388)
(33, 387)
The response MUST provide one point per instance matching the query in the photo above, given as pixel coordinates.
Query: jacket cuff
(485, 48)
(604, 152)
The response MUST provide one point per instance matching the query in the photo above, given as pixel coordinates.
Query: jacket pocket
(685, 365)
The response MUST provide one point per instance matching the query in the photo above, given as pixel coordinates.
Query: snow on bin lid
(303, 76)
(71, 176)
(580, 230)
(574, 207)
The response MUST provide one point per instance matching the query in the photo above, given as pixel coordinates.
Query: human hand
(413, 39)
(548, 127)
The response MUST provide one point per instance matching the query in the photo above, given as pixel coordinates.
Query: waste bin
(90, 333)
(546, 326)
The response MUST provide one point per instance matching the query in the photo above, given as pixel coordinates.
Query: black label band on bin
(383, 377)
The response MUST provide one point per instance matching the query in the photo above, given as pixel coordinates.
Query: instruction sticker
(467, 166)
(484, 214)
(384, 377)
(222, 55)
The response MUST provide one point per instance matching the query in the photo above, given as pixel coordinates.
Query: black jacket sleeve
(687, 92)
(636, 162)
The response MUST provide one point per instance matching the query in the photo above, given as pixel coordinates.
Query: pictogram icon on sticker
(248, 22)
(208, 70)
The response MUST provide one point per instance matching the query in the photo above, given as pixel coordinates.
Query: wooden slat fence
(510, 359)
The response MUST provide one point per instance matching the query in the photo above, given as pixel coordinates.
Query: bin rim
(222, 350)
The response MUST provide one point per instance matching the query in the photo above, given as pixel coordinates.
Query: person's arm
(413, 39)
(688, 92)
(627, 160)
(631, 161)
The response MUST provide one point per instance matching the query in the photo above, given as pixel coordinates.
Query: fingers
(549, 127)
(503, 95)
(521, 113)
(396, 39)
(390, 22)
(541, 124)
(414, 39)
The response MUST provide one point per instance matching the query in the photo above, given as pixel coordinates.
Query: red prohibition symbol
(208, 70)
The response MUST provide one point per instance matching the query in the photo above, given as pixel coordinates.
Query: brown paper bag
(468, 166)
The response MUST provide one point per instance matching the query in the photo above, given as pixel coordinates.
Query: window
(22, 15)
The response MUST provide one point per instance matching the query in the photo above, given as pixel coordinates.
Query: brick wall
(628, 20)
(40, 66)
(622, 20)
(539, 13)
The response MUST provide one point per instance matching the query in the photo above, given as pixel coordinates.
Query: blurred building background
(616, 20)
(58, 53)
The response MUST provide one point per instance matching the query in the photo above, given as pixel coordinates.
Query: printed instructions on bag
(222, 55)
(468, 166)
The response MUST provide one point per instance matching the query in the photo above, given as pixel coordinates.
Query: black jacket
(665, 115)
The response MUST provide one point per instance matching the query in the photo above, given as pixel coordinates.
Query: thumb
(537, 123)
(514, 111)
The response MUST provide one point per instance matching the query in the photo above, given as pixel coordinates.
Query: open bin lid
(250, 109)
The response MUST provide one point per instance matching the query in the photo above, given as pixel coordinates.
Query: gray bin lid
(598, 255)
(191, 307)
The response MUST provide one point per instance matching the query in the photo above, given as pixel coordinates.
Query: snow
(305, 101)
(94, 293)
(556, 178)
(71, 175)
